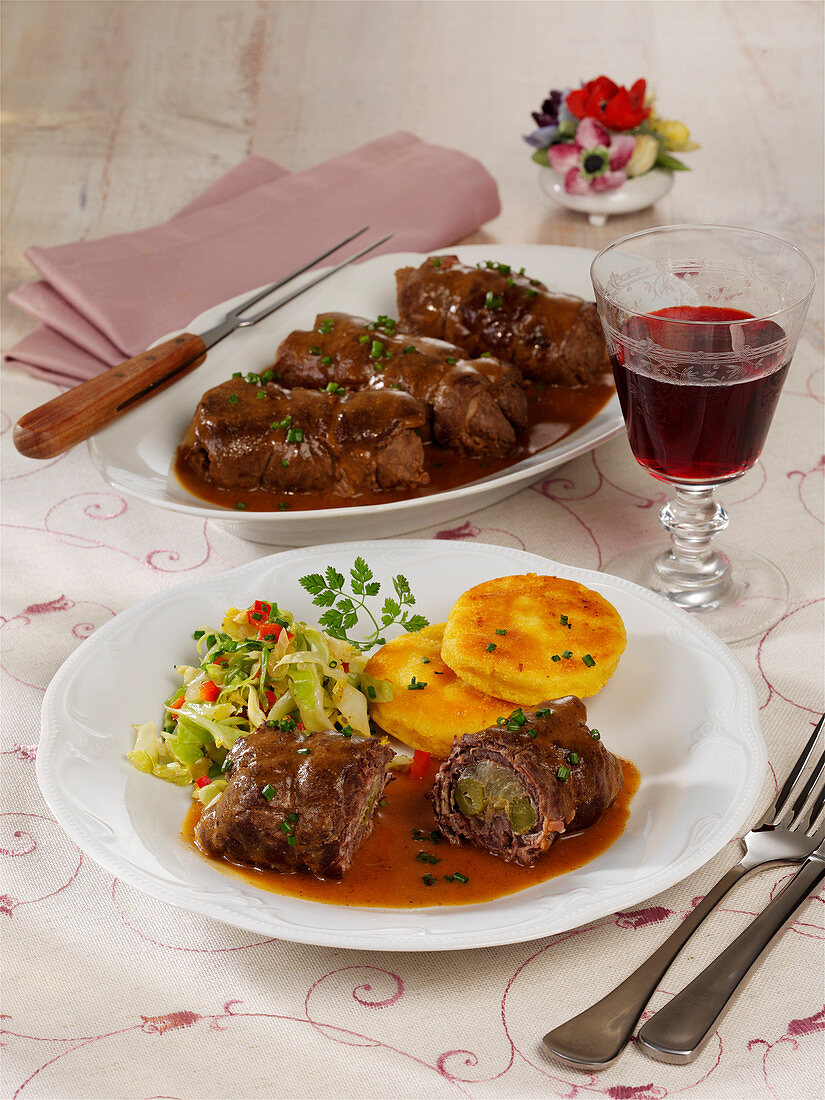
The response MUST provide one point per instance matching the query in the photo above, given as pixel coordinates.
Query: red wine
(699, 399)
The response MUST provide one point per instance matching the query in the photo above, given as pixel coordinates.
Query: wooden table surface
(116, 114)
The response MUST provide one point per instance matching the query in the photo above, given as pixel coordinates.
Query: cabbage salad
(263, 665)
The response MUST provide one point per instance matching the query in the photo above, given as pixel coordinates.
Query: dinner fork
(595, 1038)
(73, 416)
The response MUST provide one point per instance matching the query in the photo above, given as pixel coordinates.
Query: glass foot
(753, 597)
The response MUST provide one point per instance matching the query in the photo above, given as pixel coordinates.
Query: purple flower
(594, 161)
(549, 113)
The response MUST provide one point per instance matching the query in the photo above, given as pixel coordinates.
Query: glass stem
(693, 573)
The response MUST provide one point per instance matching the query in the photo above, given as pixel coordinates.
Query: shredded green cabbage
(261, 665)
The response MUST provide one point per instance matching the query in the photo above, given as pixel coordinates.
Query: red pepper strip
(301, 727)
(269, 632)
(271, 698)
(420, 764)
(204, 781)
(258, 611)
(345, 666)
(178, 703)
(209, 691)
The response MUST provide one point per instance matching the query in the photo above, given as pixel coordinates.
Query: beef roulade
(249, 434)
(552, 338)
(514, 787)
(475, 407)
(295, 802)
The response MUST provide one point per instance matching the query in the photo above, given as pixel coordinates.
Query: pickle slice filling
(489, 789)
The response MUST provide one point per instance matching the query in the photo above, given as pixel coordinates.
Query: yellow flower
(675, 134)
(644, 155)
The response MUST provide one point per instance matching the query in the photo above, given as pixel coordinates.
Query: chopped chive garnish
(268, 792)
(588, 660)
(363, 339)
(491, 300)
(333, 387)
(375, 349)
(451, 359)
(302, 752)
(237, 374)
(315, 350)
(327, 325)
(485, 355)
(293, 817)
(347, 731)
(284, 462)
(562, 774)
(253, 378)
(295, 435)
(267, 375)
(555, 657)
(428, 880)
(573, 758)
(543, 712)
(595, 735)
(226, 765)
(408, 349)
(458, 877)
(371, 691)
(490, 647)
(501, 631)
(283, 506)
(261, 395)
(436, 261)
(292, 840)
(532, 733)
(531, 293)
(240, 505)
(285, 826)
(233, 399)
(427, 857)
(425, 660)
(563, 620)
(568, 653)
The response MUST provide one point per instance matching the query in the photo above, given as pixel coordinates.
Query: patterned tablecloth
(110, 993)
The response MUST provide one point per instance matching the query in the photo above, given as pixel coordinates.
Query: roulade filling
(491, 790)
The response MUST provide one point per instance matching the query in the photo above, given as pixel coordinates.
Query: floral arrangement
(599, 135)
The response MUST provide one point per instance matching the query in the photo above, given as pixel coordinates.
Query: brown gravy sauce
(387, 873)
(555, 412)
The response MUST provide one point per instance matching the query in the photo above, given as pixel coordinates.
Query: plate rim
(570, 446)
(746, 716)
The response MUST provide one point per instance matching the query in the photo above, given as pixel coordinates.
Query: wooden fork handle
(73, 416)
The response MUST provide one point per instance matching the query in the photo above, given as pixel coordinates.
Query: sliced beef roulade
(514, 787)
(256, 435)
(475, 407)
(295, 802)
(553, 338)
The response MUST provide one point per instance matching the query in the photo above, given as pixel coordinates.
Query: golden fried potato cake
(428, 717)
(531, 637)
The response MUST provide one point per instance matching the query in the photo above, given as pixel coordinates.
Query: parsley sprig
(327, 590)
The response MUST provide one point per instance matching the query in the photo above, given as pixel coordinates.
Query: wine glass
(701, 323)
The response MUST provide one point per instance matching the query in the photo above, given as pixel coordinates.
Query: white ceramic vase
(636, 194)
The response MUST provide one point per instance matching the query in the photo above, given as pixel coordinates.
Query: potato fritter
(532, 637)
(428, 717)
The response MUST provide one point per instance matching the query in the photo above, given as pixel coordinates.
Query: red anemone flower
(612, 104)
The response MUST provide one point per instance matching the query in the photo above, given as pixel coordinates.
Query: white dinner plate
(135, 454)
(680, 706)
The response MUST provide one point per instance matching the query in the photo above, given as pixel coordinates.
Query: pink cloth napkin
(106, 300)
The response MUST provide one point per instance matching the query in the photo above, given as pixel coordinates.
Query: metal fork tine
(245, 322)
(792, 817)
(293, 274)
(798, 768)
(818, 806)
